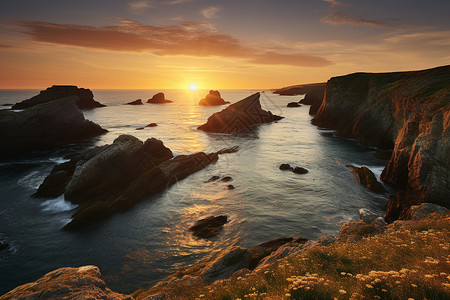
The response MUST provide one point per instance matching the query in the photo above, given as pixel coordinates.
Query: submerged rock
(300, 170)
(149, 125)
(112, 178)
(45, 125)
(209, 227)
(286, 167)
(135, 102)
(84, 97)
(67, 283)
(158, 98)
(230, 187)
(366, 177)
(239, 117)
(213, 98)
(213, 178)
(226, 179)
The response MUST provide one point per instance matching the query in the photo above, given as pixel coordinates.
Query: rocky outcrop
(366, 177)
(239, 117)
(84, 97)
(45, 125)
(406, 111)
(67, 283)
(158, 98)
(135, 102)
(417, 212)
(213, 98)
(300, 89)
(208, 227)
(112, 178)
(297, 170)
(314, 98)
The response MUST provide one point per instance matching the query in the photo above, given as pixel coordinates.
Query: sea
(137, 248)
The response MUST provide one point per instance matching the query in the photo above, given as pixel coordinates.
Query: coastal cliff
(406, 111)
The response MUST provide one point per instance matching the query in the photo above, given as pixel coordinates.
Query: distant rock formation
(158, 98)
(112, 178)
(213, 98)
(84, 97)
(45, 125)
(300, 89)
(239, 117)
(149, 125)
(407, 111)
(135, 102)
(67, 283)
(366, 177)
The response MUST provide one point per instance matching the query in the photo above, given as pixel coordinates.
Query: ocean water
(137, 248)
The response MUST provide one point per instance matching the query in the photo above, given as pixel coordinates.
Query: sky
(215, 44)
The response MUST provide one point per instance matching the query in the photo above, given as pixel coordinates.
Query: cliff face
(406, 111)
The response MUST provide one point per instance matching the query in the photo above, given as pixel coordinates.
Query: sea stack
(239, 117)
(212, 99)
(85, 98)
(158, 99)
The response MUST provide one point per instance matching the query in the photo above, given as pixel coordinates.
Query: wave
(57, 205)
(32, 180)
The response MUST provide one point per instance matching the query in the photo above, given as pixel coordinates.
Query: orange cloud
(188, 38)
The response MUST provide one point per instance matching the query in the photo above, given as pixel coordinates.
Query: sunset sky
(215, 44)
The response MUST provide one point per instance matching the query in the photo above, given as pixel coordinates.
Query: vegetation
(409, 260)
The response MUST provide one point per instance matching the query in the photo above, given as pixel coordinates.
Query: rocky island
(212, 99)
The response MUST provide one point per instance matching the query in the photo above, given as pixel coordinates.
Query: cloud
(189, 38)
(334, 3)
(343, 18)
(139, 5)
(210, 12)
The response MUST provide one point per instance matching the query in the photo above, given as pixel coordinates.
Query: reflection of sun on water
(192, 86)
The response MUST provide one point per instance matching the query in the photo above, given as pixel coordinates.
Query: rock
(379, 221)
(398, 205)
(367, 216)
(213, 178)
(84, 97)
(226, 263)
(282, 252)
(300, 170)
(286, 167)
(230, 187)
(326, 240)
(209, 227)
(417, 212)
(300, 89)
(226, 179)
(314, 98)
(67, 283)
(293, 104)
(45, 125)
(149, 125)
(135, 102)
(3, 245)
(112, 178)
(366, 177)
(239, 117)
(383, 154)
(158, 98)
(213, 98)
(355, 231)
(406, 111)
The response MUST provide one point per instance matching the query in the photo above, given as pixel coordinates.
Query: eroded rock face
(84, 97)
(406, 111)
(112, 178)
(366, 177)
(67, 283)
(158, 98)
(45, 125)
(239, 117)
(213, 98)
(314, 98)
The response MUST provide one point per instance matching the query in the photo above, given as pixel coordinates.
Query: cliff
(85, 98)
(406, 111)
(300, 89)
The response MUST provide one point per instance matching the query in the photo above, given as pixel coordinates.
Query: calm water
(139, 247)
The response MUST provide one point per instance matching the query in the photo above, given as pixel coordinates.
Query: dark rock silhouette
(45, 125)
(135, 102)
(213, 178)
(149, 125)
(158, 98)
(239, 117)
(366, 177)
(286, 167)
(406, 111)
(293, 104)
(230, 187)
(84, 97)
(314, 98)
(300, 170)
(213, 98)
(3, 245)
(300, 89)
(226, 179)
(209, 227)
(112, 178)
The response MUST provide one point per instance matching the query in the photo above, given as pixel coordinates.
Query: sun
(192, 86)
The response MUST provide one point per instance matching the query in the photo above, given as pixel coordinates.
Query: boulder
(300, 170)
(112, 178)
(208, 227)
(149, 125)
(286, 167)
(45, 125)
(366, 177)
(417, 212)
(239, 117)
(213, 178)
(135, 102)
(230, 187)
(226, 179)
(379, 221)
(158, 98)
(67, 283)
(213, 98)
(355, 231)
(293, 104)
(367, 216)
(84, 97)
